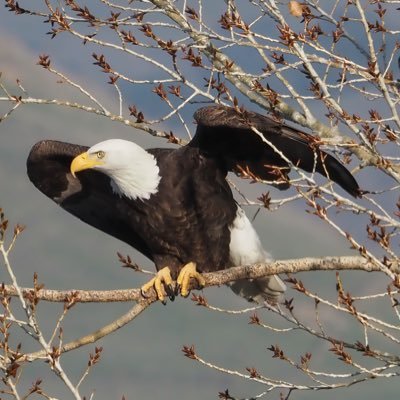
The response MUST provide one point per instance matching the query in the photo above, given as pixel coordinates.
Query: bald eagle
(175, 205)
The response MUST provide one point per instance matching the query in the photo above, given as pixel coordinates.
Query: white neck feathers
(139, 180)
(133, 171)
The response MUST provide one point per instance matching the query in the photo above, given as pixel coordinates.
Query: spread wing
(227, 135)
(89, 196)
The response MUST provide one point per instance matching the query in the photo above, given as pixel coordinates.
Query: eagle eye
(100, 154)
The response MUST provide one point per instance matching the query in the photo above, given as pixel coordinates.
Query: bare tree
(328, 66)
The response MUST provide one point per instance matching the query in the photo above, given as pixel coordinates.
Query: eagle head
(133, 171)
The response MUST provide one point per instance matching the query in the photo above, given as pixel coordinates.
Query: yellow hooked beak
(84, 161)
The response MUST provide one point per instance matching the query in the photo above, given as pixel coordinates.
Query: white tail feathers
(246, 249)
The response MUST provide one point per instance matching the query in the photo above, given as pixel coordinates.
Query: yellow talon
(163, 277)
(187, 272)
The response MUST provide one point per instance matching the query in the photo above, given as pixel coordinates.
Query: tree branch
(212, 279)
(100, 333)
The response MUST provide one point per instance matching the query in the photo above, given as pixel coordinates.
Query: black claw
(164, 302)
(177, 289)
(170, 292)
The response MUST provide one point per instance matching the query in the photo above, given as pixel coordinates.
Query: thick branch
(212, 278)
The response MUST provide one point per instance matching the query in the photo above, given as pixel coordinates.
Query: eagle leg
(187, 272)
(163, 277)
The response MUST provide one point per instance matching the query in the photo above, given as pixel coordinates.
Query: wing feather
(89, 196)
(227, 135)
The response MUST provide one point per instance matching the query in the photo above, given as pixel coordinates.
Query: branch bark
(212, 278)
